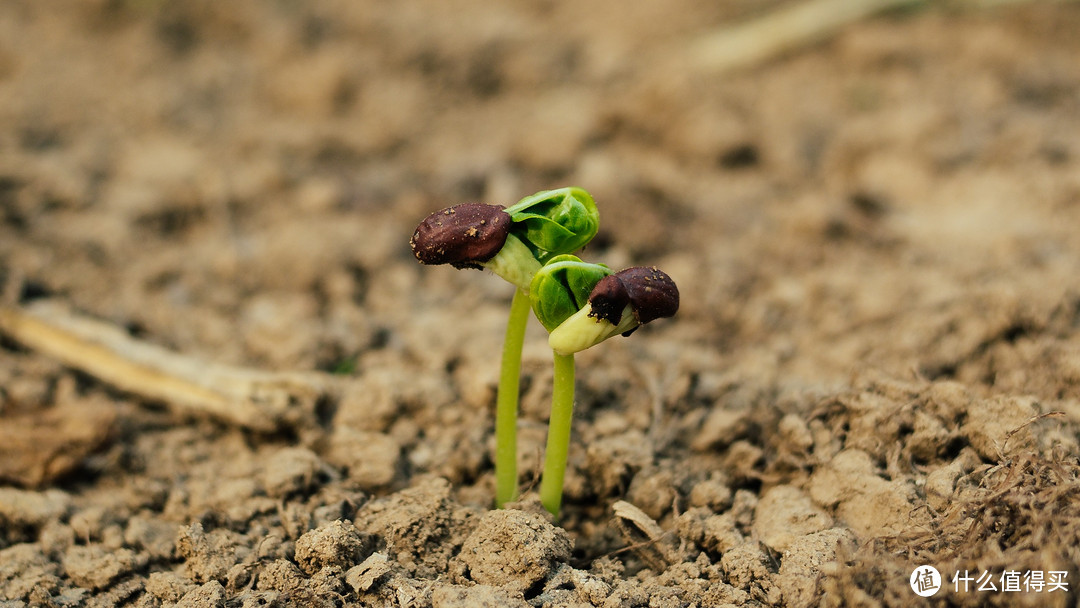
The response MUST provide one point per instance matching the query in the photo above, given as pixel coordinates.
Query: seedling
(582, 305)
(513, 243)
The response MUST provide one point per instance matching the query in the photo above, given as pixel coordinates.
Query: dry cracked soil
(876, 365)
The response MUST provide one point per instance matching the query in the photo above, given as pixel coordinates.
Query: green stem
(506, 482)
(558, 441)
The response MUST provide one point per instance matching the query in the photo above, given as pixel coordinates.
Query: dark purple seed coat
(608, 299)
(464, 235)
(650, 292)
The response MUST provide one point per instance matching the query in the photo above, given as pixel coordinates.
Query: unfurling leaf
(562, 287)
(555, 222)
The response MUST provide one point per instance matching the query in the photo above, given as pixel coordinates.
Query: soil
(876, 365)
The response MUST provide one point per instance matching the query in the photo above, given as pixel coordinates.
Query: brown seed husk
(463, 235)
(651, 292)
(608, 299)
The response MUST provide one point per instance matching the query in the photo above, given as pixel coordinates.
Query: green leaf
(555, 222)
(562, 287)
(344, 367)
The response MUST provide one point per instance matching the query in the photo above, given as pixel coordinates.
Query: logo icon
(925, 581)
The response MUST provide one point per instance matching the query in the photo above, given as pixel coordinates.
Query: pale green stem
(506, 409)
(558, 440)
(515, 263)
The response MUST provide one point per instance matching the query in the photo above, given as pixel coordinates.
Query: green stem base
(506, 408)
(558, 440)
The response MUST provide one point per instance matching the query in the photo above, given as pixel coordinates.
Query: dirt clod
(785, 513)
(291, 470)
(529, 547)
(23, 512)
(210, 595)
(335, 544)
(371, 460)
(209, 555)
(95, 567)
(748, 564)
(801, 564)
(863, 500)
(168, 586)
(480, 596)
(365, 575)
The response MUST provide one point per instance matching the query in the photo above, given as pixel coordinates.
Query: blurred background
(241, 178)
